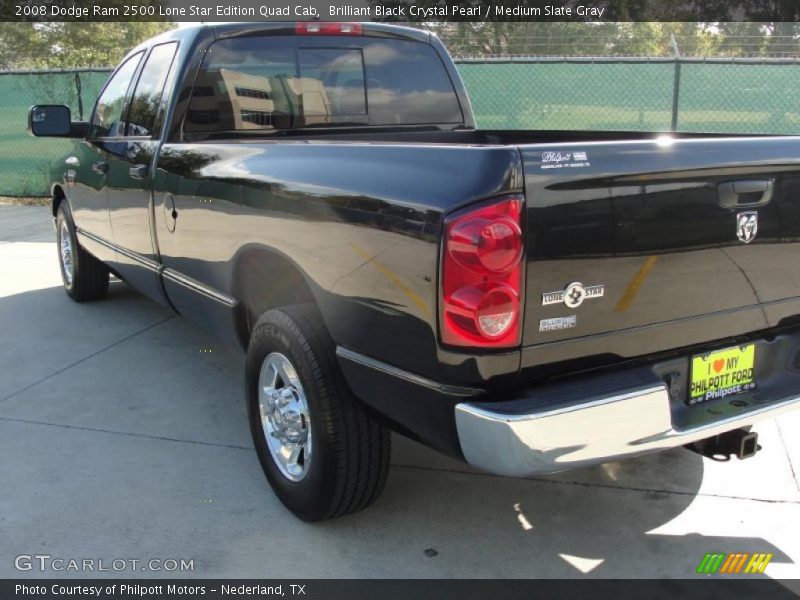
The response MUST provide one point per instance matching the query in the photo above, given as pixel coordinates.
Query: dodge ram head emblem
(747, 226)
(573, 295)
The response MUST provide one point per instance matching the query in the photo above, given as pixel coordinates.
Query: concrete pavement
(123, 434)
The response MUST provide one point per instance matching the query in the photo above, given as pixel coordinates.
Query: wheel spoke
(294, 455)
(288, 374)
(272, 377)
(263, 407)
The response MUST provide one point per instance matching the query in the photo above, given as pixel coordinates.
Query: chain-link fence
(636, 94)
(24, 159)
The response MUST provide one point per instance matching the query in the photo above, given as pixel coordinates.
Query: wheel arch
(57, 196)
(264, 279)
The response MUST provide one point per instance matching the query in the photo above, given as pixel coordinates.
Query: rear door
(130, 183)
(636, 247)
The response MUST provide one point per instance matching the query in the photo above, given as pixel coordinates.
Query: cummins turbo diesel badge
(573, 295)
(558, 323)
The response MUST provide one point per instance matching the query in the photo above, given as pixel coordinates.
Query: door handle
(100, 167)
(745, 193)
(138, 172)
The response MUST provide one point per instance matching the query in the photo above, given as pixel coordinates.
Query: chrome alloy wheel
(67, 263)
(285, 416)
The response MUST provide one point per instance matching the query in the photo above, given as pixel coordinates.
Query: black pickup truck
(529, 301)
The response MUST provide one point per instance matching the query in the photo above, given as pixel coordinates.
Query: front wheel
(322, 454)
(84, 277)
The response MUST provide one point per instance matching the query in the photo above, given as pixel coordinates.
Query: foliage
(619, 39)
(48, 45)
(75, 44)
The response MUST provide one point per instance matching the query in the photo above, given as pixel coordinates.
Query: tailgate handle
(745, 193)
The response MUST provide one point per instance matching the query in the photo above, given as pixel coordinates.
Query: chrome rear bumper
(578, 425)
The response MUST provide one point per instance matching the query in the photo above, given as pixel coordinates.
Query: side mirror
(50, 120)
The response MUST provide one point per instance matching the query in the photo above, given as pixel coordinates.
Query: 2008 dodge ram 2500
(529, 301)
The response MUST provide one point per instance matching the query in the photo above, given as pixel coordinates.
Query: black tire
(89, 276)
(350, 459)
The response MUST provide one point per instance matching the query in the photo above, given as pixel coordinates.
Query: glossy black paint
(225, 229)
(215, 207)
(645, 219)
(365, 239)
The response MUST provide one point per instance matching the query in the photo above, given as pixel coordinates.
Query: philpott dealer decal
(564, 160)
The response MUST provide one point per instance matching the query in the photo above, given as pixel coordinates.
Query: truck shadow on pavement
(631, 518)
(124, 382)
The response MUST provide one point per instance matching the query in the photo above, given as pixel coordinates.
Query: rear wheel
(322, 454)
(85, 278)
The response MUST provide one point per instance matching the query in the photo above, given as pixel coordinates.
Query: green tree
(772, 28)
(554, 39)
(74, 44)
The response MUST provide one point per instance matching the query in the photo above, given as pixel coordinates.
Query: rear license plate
(722, 373)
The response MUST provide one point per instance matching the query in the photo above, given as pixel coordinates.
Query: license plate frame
(721, 373)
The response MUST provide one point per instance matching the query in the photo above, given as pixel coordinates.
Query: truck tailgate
(669, 242)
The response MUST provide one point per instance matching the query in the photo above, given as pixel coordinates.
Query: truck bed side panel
(361, 222)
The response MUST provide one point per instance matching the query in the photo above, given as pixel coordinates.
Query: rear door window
(146, 100)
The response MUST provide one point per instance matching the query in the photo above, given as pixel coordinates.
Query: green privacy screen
(608, 94)
(24, 159)
(570, 95)
(740, 98)
(724, 97)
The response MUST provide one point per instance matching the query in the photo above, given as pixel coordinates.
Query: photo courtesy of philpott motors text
(358, 296)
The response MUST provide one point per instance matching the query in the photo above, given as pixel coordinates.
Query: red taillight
(323, 28)
(482, 276)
